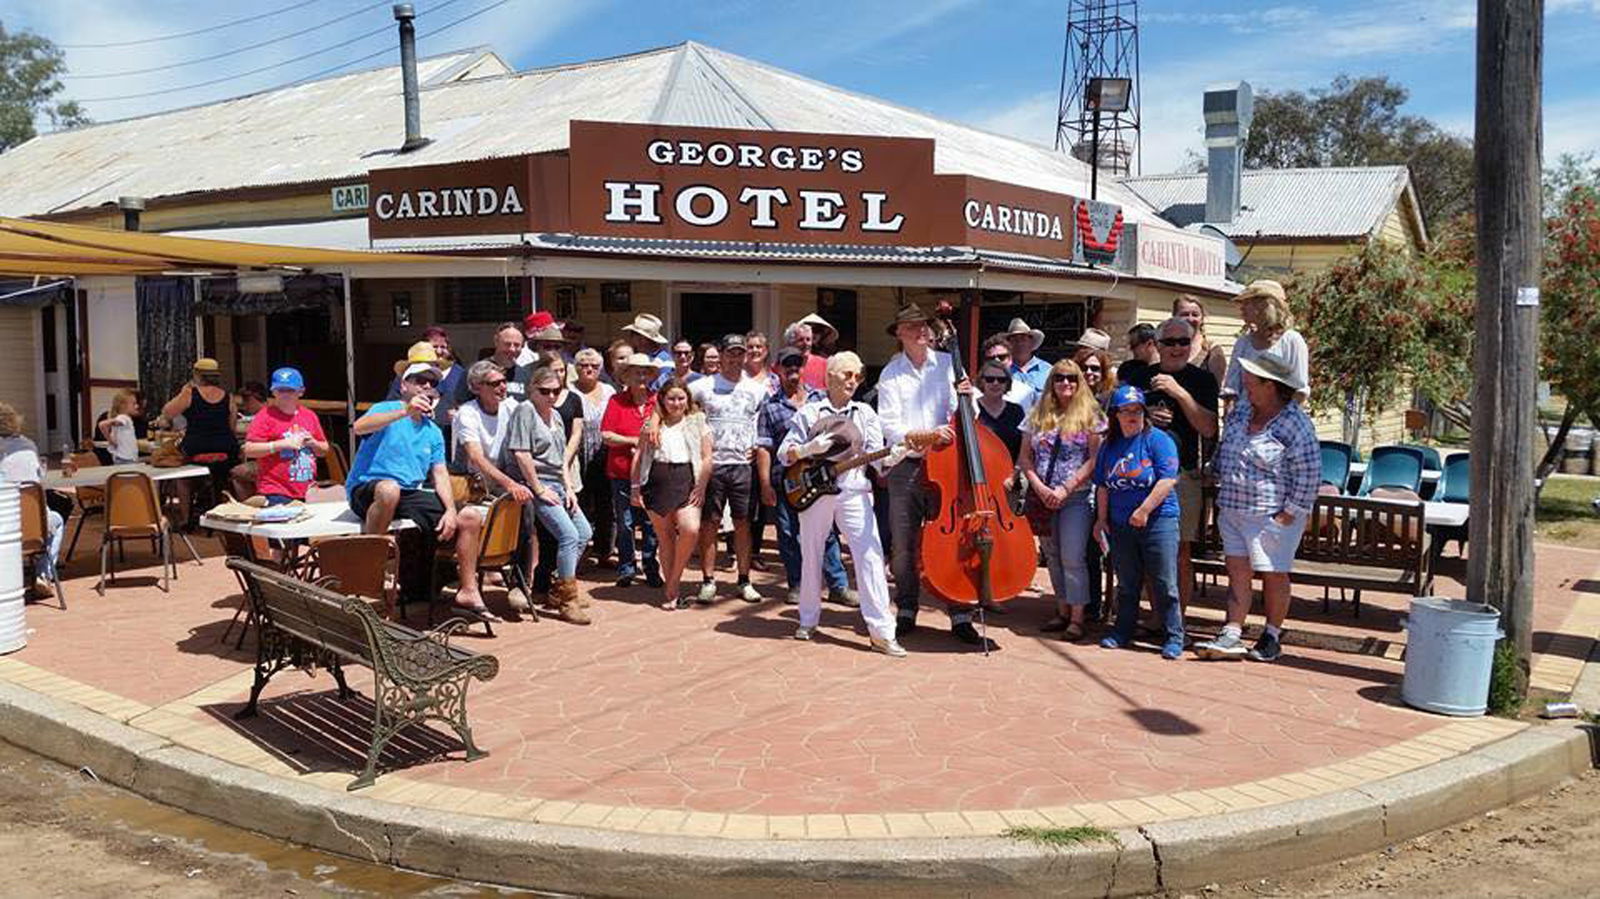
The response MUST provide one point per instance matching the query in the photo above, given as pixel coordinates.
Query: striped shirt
(1276, 469)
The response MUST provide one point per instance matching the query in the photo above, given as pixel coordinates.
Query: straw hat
(208, 366)
(1262, 289)
(1018, 326)
(640, 360)
(1095, 339)
(421, 351)
(816, 321)
(647, 326)
(1273, 367)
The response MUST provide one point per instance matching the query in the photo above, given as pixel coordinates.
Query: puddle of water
(98, 807)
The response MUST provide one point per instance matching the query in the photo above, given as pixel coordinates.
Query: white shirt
(915, 399)
(19, 460)
(123, 441)
(1023, 394)
(592, 413)
(1290, 347)
(673, 446)
(859, 413)
(730, 408)
(473, 425)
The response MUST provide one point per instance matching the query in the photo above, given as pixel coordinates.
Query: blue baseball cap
(288, 379)
(1126, 395)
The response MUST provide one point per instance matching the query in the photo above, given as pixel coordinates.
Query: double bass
(975, 548)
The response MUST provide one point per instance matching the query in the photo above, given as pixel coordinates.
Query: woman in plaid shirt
(1270, 465)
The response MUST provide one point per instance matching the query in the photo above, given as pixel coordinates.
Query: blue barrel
(1449, 654)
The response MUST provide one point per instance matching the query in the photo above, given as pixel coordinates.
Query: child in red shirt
(285, 438)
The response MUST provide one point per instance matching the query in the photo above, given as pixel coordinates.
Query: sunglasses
(501, 382)
(1176, 341)
(588, 365)
(990, 379)
(683, 352)
(548, 391)
(1089, 368)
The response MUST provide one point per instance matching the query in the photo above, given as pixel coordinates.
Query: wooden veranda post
(1505, 352)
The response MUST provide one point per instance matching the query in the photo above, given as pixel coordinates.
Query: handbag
(1042, 518)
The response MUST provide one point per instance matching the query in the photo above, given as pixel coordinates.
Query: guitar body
(807, 481)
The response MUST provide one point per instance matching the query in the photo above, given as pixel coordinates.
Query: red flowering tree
(1570, 320)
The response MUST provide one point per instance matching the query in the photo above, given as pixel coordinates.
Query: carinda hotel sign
(1184, 257)
(678, 183)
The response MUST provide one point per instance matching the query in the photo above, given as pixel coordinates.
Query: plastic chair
(133, 512)
(36, 533)
(1431, 461)
(1393, 466)
(91, 500)
(1453, 484)
(1336, 464)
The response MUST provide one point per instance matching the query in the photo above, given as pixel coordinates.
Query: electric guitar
(808, 480)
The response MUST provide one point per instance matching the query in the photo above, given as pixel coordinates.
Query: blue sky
(992, 64)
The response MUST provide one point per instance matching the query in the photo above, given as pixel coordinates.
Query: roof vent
(1228, 108)
(406, 16)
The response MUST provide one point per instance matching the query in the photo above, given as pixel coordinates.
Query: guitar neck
(857, 462)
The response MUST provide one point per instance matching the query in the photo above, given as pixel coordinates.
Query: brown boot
(564, 596)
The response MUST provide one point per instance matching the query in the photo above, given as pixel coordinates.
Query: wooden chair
(133, 512)
(337, 466)
(36, 534)
(90, 500)
(357, 565)
(497, 548)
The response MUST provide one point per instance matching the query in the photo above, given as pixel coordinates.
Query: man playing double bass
(916, 398)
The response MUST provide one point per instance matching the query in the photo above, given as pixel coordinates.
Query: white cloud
(1031, 118)
(511, 27)
(1571, 126)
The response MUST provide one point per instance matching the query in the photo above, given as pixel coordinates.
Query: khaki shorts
(1189, 506)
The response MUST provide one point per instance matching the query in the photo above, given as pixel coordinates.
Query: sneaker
(748, 592)
(1267, 649)
(625, 581)
(792, 598)
(708, 592)
(966, 633)
(802, 633)
(844, 596)
(1225, 646)
(889, 648)
(1112, 642)
(518, 600)
(1173, 650)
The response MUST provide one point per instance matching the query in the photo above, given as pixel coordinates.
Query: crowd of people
(646, 452)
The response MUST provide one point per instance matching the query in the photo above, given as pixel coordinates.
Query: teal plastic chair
(1431, 460)
(1336, 464)
(1453, 484)
(1393, 466)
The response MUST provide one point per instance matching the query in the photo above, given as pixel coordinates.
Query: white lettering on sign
(705, 206)
(1012, 220)
(450, 202)
(721, 154)
(349, 198)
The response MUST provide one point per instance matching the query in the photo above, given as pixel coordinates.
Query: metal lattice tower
(1102, 42)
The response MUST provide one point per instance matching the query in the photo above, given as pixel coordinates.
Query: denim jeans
(908, 511)
(57, 528)
(627, 517)
(1150, 552)
(567, 526)
(788, 525)
(1064, 554)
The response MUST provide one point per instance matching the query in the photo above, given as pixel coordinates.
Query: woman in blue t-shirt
(1134, 476)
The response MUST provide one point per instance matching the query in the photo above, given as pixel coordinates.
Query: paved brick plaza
(717, 711)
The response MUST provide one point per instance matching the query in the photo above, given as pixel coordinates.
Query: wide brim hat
(1263, 288)
(816, 321)
(640, 360)
(647, 326)
(549, 333)
(1095, 339)
(909, 313)
(843, 434)
(421, 351)
(1018, 326)
(1273, 367)
(207, 366)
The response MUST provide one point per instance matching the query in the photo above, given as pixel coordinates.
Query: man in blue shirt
(402, 451)
(1024, 342)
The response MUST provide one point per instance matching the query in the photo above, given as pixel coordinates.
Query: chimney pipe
(131, 207)
(405, 15)
(1228, 109)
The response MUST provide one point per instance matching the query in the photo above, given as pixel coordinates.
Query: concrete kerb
(1173, 855)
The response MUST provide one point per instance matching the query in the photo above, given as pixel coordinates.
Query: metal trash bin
(1449, 655)
(13, 605)
(1575, 459)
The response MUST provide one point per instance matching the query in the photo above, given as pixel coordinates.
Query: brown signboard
(485, 196)
(999, 216)
(681, 183)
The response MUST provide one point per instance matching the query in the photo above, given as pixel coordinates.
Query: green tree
(1570, 301)
(30, 78)
(1358, 121)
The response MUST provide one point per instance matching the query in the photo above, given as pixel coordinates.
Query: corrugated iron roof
(1346, 203)
(342, 127)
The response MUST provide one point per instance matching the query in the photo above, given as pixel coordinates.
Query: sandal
(1073, 632)
(1055, 624)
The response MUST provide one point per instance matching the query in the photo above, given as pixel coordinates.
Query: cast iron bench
(1350, 542)
(417, 677)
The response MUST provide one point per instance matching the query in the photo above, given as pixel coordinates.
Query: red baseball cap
(538, 321)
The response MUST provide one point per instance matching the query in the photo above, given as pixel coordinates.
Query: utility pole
(1507, 160)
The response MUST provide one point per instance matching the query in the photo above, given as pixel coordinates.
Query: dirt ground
(1545, 846)
(64, 834)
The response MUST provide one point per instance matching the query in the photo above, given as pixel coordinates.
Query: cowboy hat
(907, 314)
(844, 436)
(1018, 326)
(1273, 367)
(1261, 289)
(550, 333)
(816, 321)
(1095, 339)
(640, 360)
(421, 351)
(647, 326)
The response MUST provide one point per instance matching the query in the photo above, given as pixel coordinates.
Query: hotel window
(480, 300)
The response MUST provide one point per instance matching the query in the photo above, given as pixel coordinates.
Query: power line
(173, 37)
(277, 65)
(227, 53)
(426, 34)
